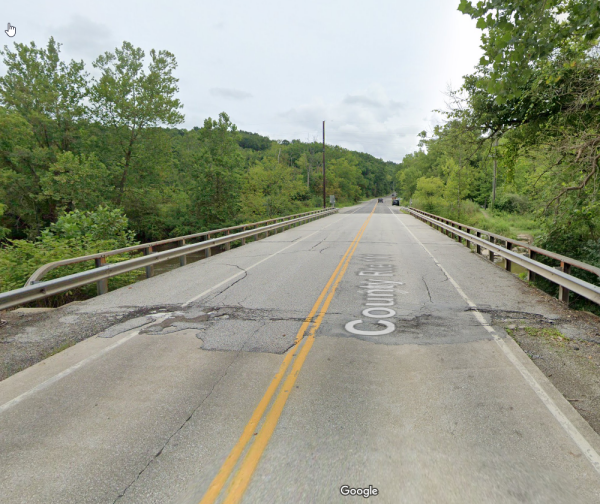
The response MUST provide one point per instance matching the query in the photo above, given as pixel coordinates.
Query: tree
(214, 173)
(42, 111)
(77, 182)
(428, 195)
(520, 34)
(345, 175)
(128, 99)
(46, 91)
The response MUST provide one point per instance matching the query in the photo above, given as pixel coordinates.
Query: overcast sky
(374, 71)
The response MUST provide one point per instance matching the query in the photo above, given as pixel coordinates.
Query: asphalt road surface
(353, 354)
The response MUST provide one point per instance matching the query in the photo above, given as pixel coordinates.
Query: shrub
(97, 225)
(512, 203)
(74, 234)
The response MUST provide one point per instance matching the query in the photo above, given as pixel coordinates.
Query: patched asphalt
(431, 411)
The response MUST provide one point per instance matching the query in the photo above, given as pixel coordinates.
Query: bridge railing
(561, 276)
(36, 289)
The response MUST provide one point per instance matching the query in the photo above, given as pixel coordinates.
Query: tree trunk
(121, 188)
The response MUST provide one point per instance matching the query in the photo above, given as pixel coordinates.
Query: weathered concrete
(431, 412)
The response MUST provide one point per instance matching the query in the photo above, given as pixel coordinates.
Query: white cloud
(374, 73)
(83, 38)
(234, 94)
(368, 120)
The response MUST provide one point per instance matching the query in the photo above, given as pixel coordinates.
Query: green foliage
(102, 224)
(46, 91)
(3, 231)
(77, 181)
(214, 185)
(127, 100)
(545, 332)
(128, 96)
(517, 33)
(345, 180)
(74, 234)
(253, 141)
(429, 194)
(41, 112)
(87, 163)
(512, 203)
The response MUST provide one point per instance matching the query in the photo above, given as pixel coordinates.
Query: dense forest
(89, 164)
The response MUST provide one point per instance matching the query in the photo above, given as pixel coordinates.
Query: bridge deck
(426, 399)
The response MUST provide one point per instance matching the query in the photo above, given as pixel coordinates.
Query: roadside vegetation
(517, 154)
(532, 109)
(95, 163)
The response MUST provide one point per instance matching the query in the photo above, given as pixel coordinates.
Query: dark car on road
(380, 200)
(396, 202)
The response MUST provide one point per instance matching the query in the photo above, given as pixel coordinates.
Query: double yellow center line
(241, 479)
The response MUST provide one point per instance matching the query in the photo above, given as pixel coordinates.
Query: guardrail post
(478, 246)
(563, 292)
(207, 251)
(459, 237)
(101, 285)
(508, 266)
(468, 244)
(182, 259)
(531, 274)
(244, 239)
(491, 240)
(228, 244)
(149, 269)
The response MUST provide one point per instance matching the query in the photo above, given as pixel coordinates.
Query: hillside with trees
(92, 163)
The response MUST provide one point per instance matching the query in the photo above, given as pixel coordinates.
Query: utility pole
(324, 204)
(495, 170)
(458, 195)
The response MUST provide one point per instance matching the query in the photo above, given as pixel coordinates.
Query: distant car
(380, 200)
(396, 202)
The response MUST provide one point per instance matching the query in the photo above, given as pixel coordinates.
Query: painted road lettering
(380, 294)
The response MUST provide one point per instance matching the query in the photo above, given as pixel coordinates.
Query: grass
(506, 224)
(549, 333)
(510, 225)
(347, 203)
(64, 346)
(545, 332)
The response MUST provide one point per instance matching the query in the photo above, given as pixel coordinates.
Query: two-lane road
(344, 354)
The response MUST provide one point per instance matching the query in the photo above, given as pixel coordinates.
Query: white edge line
(91, 358)
(202, 294)
(560, 417)
(64, 373)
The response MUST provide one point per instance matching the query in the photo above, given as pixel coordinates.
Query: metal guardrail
(42, 289)
(148, 248)
(562, 277)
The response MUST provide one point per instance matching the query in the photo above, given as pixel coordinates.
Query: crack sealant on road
(427, 287)
(242, 270)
